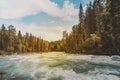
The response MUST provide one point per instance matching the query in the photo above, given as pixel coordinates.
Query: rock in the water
(2, 74)
(14, 79)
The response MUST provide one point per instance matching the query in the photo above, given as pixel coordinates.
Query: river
(59, 66)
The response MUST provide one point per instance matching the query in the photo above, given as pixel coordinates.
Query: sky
(43, 18)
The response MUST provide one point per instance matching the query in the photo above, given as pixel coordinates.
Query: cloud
(50, 33)
(16, 9)
(84, 8)
(68, 11)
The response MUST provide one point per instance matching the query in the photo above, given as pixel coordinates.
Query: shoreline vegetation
(97, 33)
(2, 53)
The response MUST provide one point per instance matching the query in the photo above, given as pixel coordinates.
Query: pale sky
(45, 18)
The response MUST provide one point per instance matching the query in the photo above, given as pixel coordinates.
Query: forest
(98, 33)
(98, 30)
(12, 42)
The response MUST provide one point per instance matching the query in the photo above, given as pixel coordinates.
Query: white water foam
(60, 66)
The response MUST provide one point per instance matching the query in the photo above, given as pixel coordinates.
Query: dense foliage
(10, 41)
(98, 31)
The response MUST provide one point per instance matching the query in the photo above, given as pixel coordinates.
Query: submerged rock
(14, 79)
(2, 74)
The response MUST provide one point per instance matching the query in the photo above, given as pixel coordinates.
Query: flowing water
(59, 66)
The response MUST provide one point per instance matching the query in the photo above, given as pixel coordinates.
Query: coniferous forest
(98, 32)
(12, 42)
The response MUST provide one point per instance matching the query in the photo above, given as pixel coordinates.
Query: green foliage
(12, 42)
(10, 49)
(98, 29)
(92, 42)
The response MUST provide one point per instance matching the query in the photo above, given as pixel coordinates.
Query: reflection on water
(59, 66)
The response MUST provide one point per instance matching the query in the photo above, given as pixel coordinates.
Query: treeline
(98, 30)
(12, 42)
(58, 45)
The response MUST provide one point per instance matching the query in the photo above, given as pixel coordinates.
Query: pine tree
(80, 12)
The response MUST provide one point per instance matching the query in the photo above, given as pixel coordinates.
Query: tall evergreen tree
(80, 12)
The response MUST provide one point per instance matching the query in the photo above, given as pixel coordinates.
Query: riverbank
(95, 52)
(84, 53)
(6, 53)
(14, 53)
